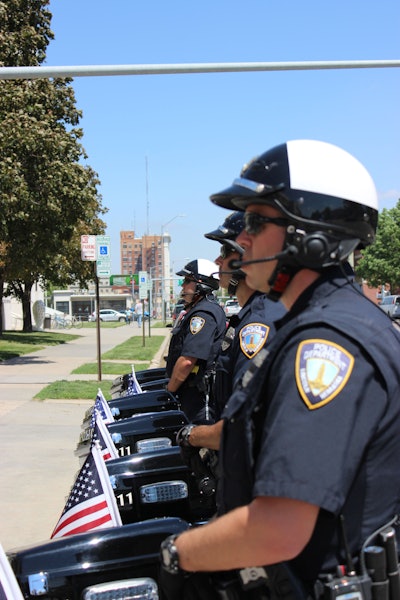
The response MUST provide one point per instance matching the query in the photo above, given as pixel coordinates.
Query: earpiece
(314, 250)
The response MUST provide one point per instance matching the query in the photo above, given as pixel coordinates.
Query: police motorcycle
(150, 463)
(150, 479)
(158, 483)
(139, 433)
(157, 495)
(148, 379)
(160, 406)
(113, 563)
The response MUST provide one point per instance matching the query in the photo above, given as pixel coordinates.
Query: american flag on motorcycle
(91, 503)
(133, 386)
(102, 436)
(102, 406)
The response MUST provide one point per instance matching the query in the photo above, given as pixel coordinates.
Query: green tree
(380, 262)
(48, 194)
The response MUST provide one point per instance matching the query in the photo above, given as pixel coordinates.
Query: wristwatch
(169, 555)
(183, 435)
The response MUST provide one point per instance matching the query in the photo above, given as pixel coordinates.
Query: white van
(389, 304)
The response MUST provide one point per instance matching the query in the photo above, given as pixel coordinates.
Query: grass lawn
(108, 368)
(17, 343)
(75, 390)
(133, 349)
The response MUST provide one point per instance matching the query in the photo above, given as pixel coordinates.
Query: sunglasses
(225, 251)
(254, 223)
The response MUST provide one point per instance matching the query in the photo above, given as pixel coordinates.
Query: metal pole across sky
(44, 72)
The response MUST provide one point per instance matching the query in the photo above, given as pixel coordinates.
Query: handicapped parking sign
(103, 250)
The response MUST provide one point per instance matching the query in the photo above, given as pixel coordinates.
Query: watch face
(166, 557)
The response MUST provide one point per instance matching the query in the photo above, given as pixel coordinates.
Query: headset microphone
(290, 251)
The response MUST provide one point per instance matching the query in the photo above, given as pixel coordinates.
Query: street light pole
(164, 277)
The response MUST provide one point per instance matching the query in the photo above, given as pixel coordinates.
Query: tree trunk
(26, 307)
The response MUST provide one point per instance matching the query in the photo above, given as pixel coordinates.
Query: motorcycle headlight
(165, 491)
(153, 444)
(144, 588)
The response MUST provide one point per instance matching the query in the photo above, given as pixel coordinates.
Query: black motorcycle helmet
(203, 272)
(326, 196)
(229, 230)
(226, 234)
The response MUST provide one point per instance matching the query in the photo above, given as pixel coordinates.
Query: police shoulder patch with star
(322, 370)
(252, 338)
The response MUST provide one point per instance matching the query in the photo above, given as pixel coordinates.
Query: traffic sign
(88, 247)
(103, 268)
(103, 247)
(143, 284)
(123, 280)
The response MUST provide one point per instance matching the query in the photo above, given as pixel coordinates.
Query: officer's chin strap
(233, 283)
(194, 301)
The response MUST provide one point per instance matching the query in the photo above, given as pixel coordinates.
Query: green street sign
(124, 280)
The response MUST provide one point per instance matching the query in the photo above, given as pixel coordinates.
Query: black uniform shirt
(329, 420)
(198, 333)
(247, 334)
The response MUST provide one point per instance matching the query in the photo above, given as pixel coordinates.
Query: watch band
(169, 555)
(183, 435)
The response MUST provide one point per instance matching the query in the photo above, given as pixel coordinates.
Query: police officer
(311, 439)
(246, 335)
(196, 338)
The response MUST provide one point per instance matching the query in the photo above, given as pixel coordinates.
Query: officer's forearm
(267, 531)
(180, 372)
(206, 436)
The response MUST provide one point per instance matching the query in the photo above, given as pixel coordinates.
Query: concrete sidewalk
(38, 439)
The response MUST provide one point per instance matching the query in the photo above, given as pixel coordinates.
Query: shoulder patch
(322, 371)
(196, 324)
(252, 338)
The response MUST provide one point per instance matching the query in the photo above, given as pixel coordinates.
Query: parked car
(396, 312)
(390, 303)
(232, 307)
(108, 314)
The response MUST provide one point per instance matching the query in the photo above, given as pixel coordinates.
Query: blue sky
(161, 144)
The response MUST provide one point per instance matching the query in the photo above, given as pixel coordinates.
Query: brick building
(148, 253)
